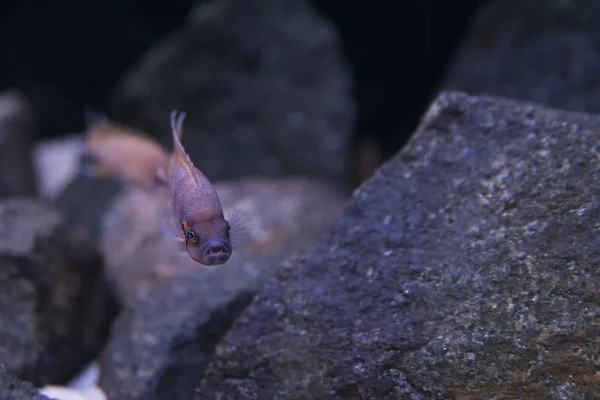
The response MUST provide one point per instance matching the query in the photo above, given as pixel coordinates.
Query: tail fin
(177, 130)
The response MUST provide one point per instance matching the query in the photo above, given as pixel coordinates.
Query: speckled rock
(55, 307)
(545, 51)
(177, 310)
(467, 267)
(264, 84)
(11, 388)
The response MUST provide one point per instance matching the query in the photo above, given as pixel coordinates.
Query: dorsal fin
(177, 130)
(178, 150)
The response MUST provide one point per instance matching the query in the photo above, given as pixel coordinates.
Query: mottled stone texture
(467, 267)
(11, 388)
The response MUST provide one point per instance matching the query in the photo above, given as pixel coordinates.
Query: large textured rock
(264, 85)
(178, 310)
(18, 130)
(467, 267)
(546, 51)
(55, 308)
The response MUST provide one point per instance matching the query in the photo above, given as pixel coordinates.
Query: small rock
(18, 130)
(422, 291)
(55, 307)
(177, 310)
(264, 84)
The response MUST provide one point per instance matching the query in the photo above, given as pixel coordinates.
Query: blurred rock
(11, 388)
(177, 310)
(55, 308)
(264, 85)
(17, 133)
(56, 162)
(467, 267)
(84, 200)
(546, 51)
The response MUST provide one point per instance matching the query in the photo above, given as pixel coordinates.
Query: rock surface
(177, 310)
(545, 51)
(11, 388)
(467, 267)
(54, 305)
(17, 133)
(264, 85)
(85, 200)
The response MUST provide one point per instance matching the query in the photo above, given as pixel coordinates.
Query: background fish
(198, 221)
(118, 151)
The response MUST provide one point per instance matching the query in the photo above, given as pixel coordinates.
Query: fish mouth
(216, 254)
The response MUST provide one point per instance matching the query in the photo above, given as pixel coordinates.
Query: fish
(198, 221)
(121, 152)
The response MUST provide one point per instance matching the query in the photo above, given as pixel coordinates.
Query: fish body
(199, 221)
(123, 152)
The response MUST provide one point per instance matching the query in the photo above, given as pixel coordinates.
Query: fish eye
(192, 236)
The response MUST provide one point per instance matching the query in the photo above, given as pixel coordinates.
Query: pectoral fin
(169, 229)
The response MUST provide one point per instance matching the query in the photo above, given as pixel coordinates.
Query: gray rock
(11, 388)
(264, 85)
(467, 267)
(177, 310)
(85, 200)
(18, 130)
(55, 308)
(545, 51)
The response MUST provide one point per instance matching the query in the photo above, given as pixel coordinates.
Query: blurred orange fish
(197, 222)
(122, 152)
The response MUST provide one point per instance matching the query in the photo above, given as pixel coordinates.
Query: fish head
(208, 241)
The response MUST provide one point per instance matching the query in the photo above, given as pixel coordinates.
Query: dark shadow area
(70, 54)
